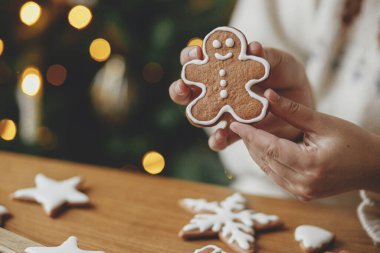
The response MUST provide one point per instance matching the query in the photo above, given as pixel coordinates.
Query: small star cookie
(225, 76)
(52, 194)
(4, 213)
(230, 220)
(69, 246)
(313, 239)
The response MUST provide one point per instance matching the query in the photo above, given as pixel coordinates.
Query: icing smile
(223, 57)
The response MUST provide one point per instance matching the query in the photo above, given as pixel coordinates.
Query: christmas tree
(87, 81)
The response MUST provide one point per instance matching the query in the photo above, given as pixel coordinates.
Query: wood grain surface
(136, 213)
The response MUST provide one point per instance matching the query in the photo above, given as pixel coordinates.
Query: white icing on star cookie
(312, 237)
(52, 194)
(69, 246)
(215, 249)
(230, 219)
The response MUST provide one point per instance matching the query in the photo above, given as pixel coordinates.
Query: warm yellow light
(1, 47)
(31, 81)
(153, 162)
(195, 42)
(8, 129)
(80, 16)
(100, 50)
(30, 12)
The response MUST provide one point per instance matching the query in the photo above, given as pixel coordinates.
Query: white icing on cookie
(229, 217)
(216, 44)
(223, 83)
(3, 211)
(230, 42)
(52, 194)
(223, 57)
(69, 246)
(312, 237)
(222, 72)
(215, 249)
(227, 108)
(223, 94)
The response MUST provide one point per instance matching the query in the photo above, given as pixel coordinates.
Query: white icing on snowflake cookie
(312, 238)
(3, 214)
(69, 246)
(210, 249)
(52, 194)
(230, 219)
(225, 77)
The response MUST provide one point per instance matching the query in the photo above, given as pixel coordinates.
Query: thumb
(294, 113)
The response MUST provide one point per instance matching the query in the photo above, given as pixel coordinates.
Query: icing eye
(216, 44)
(230, 42)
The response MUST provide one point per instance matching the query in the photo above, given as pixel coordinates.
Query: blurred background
(87, 81)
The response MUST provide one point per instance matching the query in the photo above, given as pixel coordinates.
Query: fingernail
(178, 89)
(272, 95)
(193, 53)
(233, 126)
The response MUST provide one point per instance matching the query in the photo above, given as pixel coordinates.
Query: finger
(294, 113)
(265, 147)
(179, 92)
(222, 138)
(255, 48)
(190, 53)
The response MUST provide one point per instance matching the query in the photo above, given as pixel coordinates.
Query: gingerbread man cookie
(225, 77)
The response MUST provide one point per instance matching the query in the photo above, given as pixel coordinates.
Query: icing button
(223, 94)
(223, 83)
(222, 72)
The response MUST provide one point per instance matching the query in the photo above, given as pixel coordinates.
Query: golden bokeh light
(31, 81)
(1, 47)
(8, 129)
(100, 50)
(56, 74)
(80, 16)
(195, 42)
(30, 12)
(153, 162)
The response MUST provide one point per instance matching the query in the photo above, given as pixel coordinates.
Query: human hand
(335, 155)
(287, 77)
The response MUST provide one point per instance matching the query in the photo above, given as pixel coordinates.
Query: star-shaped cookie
(52, 194)
(69, 246)
(230, 220)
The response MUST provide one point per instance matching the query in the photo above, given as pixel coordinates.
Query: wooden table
(136, 213)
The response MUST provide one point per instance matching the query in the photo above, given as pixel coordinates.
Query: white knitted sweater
(339, 43)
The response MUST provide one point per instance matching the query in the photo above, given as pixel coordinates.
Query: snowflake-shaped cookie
(69, 246)
(52, 194)
(230, 219)
(4, 213)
